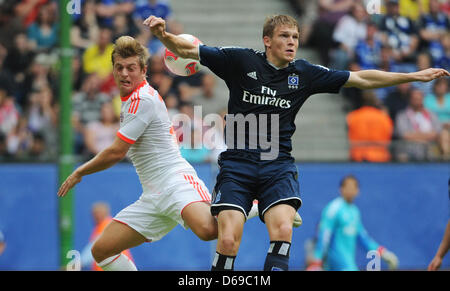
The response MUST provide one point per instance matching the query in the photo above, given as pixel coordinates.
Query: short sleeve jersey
(259, 88)
(145, 123)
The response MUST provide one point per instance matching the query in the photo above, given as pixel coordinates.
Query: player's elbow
(115, 154)
(356, 80)
(118, 150)
(188, 53)
(120, 155)
(363, 84)
(366, 86)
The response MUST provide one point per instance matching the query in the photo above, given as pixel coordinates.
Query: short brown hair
(276, 20)
(346, 178)
(127, 46)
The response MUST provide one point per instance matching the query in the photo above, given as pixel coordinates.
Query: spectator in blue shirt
(43, 33)
(444, 60)
(399, 33)
(368, 51)
(143, 9)
(107, 9)
(433, 26)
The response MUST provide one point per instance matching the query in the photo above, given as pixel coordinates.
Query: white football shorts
(156, 213)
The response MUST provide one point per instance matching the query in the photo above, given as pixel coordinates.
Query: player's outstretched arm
(443, 249)
(371, 79)
(103, 160)
(178, 45)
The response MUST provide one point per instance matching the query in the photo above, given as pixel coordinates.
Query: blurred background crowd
(405, 36)
(409, 122)
(29, 41)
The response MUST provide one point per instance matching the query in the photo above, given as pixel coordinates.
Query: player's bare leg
(279, 220)
(231, 226)
(116, 238)
(255, 212)
(199, 219)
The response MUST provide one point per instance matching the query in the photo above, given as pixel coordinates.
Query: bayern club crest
(293, 81)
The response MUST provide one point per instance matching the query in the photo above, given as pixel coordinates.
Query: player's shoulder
(303, 65)
(248, 57)
(147, 92)
(235, 48)
(234, 54)
(239, 51)
(333, 207)
(144, 98)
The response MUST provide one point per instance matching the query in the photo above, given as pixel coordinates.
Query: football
(180, 66)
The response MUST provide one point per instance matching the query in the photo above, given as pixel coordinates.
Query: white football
(180, 66)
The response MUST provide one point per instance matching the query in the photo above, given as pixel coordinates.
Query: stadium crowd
(29, 65)
(409, 122)
(406, 36)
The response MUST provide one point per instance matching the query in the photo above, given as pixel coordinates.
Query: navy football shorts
(240, 181)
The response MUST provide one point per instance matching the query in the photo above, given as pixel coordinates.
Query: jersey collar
(275, 67)
(135, 90)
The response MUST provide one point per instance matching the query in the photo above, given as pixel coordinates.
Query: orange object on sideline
(369, 132)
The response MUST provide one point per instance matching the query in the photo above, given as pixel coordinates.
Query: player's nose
(291, 41)
(123, 73)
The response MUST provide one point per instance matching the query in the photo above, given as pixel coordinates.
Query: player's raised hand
(68, 184)
(157, 25)
(430, 74)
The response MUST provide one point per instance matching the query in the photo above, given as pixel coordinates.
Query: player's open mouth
(125, 83)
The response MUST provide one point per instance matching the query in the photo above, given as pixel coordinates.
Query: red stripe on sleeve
(137, 105)
(124, 138)
(133, 103)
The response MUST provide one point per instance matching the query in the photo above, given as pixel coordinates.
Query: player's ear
(144, 70)
(267, 41)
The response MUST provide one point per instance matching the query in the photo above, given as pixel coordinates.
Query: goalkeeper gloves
(297, 220)
(389, 257)
(315, 266)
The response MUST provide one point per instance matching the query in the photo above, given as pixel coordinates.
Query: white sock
(118, 262)
(254, 211)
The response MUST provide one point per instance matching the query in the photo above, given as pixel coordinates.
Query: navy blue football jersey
(266, 95)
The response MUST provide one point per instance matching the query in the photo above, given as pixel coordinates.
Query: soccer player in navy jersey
(267, 90)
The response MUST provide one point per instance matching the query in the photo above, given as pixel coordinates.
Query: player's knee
(228, 244)
(286, 230)
(282, 231)
(99, 253)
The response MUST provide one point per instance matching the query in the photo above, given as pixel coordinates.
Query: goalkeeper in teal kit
(340, 230)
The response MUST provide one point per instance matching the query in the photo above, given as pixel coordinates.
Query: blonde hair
(127, 46)
(276, 20)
